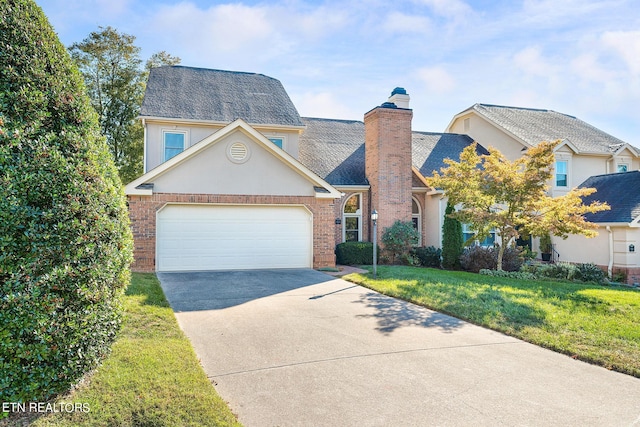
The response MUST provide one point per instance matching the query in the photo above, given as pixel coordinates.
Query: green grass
(597, 324)
(151, 378)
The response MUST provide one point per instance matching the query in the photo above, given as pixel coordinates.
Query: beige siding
(487, 135)
(212, 171)
(198, 132)
(580, 249)
(435, 205)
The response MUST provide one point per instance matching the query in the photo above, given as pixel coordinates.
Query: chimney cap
(388, 105)
(399, 91)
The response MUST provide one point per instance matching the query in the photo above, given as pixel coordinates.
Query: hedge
(355, 253)
(65, 241)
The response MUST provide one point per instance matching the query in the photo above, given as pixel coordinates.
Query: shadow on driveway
(392, 314)
(215, 290)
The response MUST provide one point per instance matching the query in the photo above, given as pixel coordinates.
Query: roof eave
(219, 123)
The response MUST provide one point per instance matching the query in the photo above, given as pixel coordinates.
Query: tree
(400, 238)
(111, 65)
(65, 241)
(452, 243)
(511, 196)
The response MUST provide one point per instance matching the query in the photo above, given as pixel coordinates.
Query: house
(587, 157)
(236, 179)
(619, 228)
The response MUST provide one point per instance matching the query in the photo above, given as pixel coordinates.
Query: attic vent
(238, 152)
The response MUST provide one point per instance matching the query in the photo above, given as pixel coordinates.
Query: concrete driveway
(298, 347)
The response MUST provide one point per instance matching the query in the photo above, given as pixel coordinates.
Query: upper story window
(562, 167)
(279, 141)
(623, 167)
(174, 143)
(352, 219)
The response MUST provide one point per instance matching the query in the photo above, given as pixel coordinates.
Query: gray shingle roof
(534, 126)
(195, 94)
(429, 150)
(334, 149)
(621, 191)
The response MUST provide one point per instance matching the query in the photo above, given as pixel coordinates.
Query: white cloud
(398, 22)
(436, 79)
(588, 67)
(449, 8)
(532, 62)
(324, 105)
(627, 45)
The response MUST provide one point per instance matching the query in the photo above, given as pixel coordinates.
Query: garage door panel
(205, 237)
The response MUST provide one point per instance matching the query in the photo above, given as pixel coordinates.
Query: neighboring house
(616, 245)
(584, 152)
(236, 179)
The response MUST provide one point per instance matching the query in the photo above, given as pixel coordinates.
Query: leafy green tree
(400, 238)
(111, 65)
(65, 241)
(452, 240)
(512, 196)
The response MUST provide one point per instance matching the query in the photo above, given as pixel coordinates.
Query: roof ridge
(249, 73)
(542, 110)
(332, 120)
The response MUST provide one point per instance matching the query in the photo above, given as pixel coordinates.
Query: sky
(341, 58)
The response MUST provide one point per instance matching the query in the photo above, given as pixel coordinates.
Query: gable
(235, 164)
(235, 160)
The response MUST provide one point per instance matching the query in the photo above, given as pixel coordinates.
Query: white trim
(218, 123)
(144, 146)
(419, 216)
(176, 131)
(357, 214)
(566, 158)
(238, 125)
(353, 188)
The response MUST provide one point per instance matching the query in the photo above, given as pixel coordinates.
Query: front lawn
(151, 378)
(593, 323)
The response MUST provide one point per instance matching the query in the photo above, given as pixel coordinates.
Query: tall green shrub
(399, 239)
(65, 242)
(452, 240)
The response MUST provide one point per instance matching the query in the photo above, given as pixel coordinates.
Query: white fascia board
(218, 123)
(352, 188)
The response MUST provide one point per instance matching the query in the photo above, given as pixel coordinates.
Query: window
(468, 233)
(561, 173)
(416, 219)
(623, 167)
(278, 141)
(352, 219)
(173, 144)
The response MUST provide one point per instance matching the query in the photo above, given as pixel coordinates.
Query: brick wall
(388, 163)
(142, 211)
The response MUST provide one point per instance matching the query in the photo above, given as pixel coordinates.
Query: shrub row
(476, 258)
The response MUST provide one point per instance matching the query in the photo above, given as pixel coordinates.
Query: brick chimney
(387, 133)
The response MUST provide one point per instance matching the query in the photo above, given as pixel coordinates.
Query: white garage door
(205, 237)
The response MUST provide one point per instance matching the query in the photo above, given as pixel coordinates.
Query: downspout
(610, 266)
